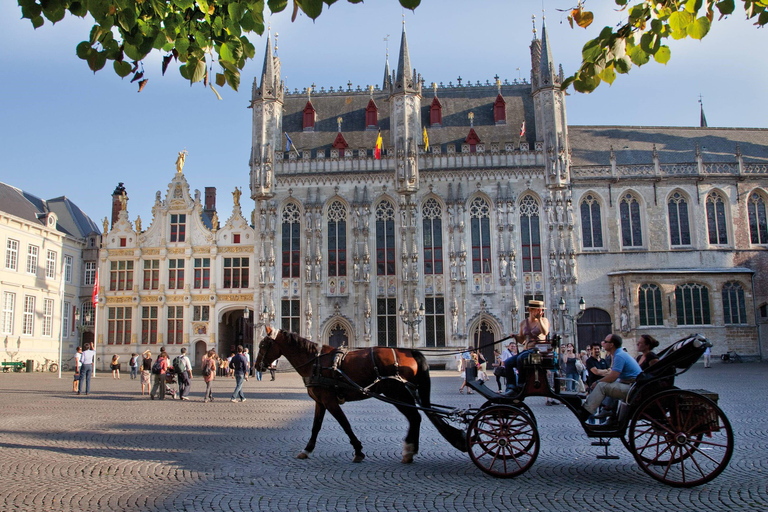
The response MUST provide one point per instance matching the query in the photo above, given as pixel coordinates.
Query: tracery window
(480, 229)
(291, 240)
(434, 321)
(716, 221)
(337, 239)
(758, 226)
(734, 304)
(650, 305)
(591, 223)
(290, 315)
(432, 234)
(385, 239)
(386, 323)
(679, 227)
(692, 301)
(529, 234)
(631, 229)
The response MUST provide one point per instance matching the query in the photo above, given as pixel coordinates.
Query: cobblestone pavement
(117, 450)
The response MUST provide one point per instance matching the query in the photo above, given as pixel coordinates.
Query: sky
(67, 131)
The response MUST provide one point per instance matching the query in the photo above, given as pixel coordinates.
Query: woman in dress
(146, 367)
(209, 364)
(645, 345)
(115, 367)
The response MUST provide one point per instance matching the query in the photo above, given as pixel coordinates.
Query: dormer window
(473, 140)
(500, 110)
(435, 113)
(309, 117)
(371, 115)
(341, 144)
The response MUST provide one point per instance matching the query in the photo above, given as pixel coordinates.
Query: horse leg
(316, 424)
(335, 410)
(411, 441)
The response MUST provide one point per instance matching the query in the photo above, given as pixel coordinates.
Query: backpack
(178, 367)
(157, 368)
(207, 369)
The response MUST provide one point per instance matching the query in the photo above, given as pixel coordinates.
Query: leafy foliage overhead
(648, 24)
(195, 33)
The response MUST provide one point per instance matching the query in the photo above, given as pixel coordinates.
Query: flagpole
(94, 301)
(61, 313)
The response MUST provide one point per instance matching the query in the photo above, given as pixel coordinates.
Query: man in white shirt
(248, 359)
(185, 377)
(86, 369)
(508, 352)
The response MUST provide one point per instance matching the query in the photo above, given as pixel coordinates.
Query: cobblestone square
(117, 450)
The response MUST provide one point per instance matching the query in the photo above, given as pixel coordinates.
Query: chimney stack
(210, 201)
(116, 206)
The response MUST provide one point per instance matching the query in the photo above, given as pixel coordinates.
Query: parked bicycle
(731, 357)
(49, 365)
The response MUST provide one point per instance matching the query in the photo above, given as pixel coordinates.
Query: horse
(334, 376)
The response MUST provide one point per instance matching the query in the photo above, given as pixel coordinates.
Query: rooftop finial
(370, 89)
(276, 34)
(434, 88)
(471, 117)
(498, 84)
(338, 121)
(309, 93)
(533, 22)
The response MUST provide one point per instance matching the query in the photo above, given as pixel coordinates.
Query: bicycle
(49, 364)
(731, 357)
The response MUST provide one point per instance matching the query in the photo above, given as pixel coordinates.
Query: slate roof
(456, 103)
(591, 145)
(71, 219)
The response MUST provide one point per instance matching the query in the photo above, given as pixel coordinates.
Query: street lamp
(563, 307)
(411, 318)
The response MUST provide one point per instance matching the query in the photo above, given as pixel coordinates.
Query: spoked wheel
(681, 438)
(503, 441)
(53, 368)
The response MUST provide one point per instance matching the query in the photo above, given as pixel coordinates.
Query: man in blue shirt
(240, 365)
(619, 379)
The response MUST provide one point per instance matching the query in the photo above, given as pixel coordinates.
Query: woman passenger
(646, 357)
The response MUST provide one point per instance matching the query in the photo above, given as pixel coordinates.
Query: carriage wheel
(681, 438)
(503, 441)
(519, 404)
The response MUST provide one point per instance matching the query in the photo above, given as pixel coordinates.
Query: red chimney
(116, 205)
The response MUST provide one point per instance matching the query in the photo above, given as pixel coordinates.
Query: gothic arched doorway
(338, 336)
(593, 327)
(235, 329)
(484, 336)
(200, 349)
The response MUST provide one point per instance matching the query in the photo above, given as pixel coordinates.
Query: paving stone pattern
(117, 450)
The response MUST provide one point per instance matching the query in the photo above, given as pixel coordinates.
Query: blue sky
(66, 131)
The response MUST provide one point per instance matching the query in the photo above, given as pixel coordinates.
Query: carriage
(678, 437)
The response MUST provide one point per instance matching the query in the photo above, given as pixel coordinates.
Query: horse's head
(269, 351)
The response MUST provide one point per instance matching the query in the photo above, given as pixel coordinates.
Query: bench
(15, 366)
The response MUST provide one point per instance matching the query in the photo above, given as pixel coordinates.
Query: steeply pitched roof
(591, 145)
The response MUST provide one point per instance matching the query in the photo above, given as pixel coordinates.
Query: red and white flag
(522, 129)
(95, 297)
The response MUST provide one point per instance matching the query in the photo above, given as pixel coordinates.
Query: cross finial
(700, 99)
(459, 80)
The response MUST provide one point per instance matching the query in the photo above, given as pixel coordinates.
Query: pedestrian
(159, 369)
(208, 367)
(134, 363)
(78, 364)
(115, 367)
(248, 361)
(86, 369)
(498, 368)
(466, 360)
(230, 373)
(184, 374)
(239, 367)
(572, 374)
(707, 356)
(146, 368)
(272, 369)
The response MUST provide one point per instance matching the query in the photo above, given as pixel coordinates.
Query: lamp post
(563, 307)
(411, 318)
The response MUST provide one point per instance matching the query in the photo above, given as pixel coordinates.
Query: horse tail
(456, 437)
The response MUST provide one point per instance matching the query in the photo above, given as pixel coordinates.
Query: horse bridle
(265, 345)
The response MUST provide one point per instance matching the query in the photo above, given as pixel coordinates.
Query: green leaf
(123, 69)
(37, 21)
(638, 56)
(623, 64)
(699, 28)
(608, 75)
(197, 70)
(221, 81)
(31, 11)
(693, 6)
(233, 79)
(586, 83)
(591, 51)
(410, 4)
(133, 52)
(182, 46)
(649, 42)
(679, 21)
(311, 8)
(725, 7)
(277, 5)
(235, 10)
(83, 49)
(97, 60)
(662, 55)
(126, 18)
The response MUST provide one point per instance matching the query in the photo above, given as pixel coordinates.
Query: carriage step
(605, 443)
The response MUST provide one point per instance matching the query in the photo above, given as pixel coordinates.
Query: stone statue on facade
(569, 213)
(503, 267)
(138, 224)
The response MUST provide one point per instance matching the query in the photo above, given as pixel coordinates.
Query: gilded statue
(106, 226)
(180, 160)
(138, 224)
(123, 201)
(236, 196)
(215, 221)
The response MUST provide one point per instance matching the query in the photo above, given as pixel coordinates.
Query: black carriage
(679, 437)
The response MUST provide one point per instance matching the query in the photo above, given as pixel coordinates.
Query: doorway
(200, 349)
(593, 327)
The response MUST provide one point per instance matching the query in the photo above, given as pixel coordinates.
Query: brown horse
(332, 378)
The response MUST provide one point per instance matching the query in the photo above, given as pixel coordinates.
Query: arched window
(432, 213)
(758, 227)
(591, 224)
(483, 336)
(337, 239)
(338, 336)
(734, 305)
(529, 234)
(679, 227)
(649, 302)
(692, 301)
(480, 228)
(291, 240)
(385, 239)
(716, 223)
(631, 229)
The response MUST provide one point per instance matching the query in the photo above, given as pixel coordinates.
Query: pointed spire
(547, 67)
(387, 83)
(404, 78)
(703, 118)
(267, 87)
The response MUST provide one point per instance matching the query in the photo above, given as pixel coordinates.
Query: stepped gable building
(47, 276)
(483, 198)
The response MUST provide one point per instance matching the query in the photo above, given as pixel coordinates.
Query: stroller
(170, 378)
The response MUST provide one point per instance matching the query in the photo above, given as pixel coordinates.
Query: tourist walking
(78, 364)
(146, 368)
(115, 367)
(183, 370)
(272, 369)
(239, 367)
(86, 369)
(208, 367)
(159, 369)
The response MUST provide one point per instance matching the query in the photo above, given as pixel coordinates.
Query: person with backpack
(159, 370)
(134, 364)
(239, 366)
(208, 367)
(183, 369)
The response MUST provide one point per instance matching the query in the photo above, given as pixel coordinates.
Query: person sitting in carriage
(533, 329)
(617, 382)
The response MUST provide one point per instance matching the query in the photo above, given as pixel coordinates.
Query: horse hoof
(358, 458)
(302, 455)
(407, 459)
